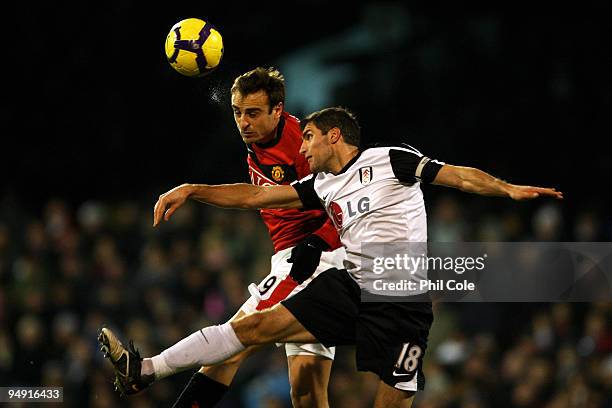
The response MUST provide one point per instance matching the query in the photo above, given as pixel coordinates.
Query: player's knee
(251, 329)
(303, 397)
(299, 400)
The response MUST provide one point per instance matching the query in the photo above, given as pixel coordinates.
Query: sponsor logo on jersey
(336, 211)
(365, 175)
(278, 174)
(363, 206)
(259, 179)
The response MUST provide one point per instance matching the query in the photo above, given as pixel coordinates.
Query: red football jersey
(280, 162)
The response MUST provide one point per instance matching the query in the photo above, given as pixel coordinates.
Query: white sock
(208, 346)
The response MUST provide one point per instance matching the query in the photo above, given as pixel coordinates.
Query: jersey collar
(350, 163)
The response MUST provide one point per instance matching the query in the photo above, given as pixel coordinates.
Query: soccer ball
(194, 47)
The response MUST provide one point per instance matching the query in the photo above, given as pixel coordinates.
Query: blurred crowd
(68, 269)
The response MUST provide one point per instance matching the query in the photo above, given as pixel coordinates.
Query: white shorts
(279, 270)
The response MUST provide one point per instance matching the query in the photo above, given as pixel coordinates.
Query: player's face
(316, 148)
(255, 122)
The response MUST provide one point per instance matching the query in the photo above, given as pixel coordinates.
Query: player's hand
(529, 192)
(305, 257)
(169, 202)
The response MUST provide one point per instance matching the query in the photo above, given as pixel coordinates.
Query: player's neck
(270, 139)
(345, 154)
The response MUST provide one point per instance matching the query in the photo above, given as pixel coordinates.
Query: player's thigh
(276, 324)
(391, 397)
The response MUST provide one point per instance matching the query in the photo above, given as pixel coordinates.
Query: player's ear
(277, 110)
(334, 135)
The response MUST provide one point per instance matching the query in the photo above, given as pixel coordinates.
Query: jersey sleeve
(410, 166)
(328, 233)
(306, 192)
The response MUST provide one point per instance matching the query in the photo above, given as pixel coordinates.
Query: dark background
(93, 110)
(96, 124)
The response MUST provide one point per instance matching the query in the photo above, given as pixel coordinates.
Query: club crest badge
(278, 174)
(365, 175)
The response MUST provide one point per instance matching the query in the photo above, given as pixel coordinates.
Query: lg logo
(360, 207)
(363, 206)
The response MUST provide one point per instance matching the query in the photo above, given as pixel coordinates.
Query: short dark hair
(339, 117)
(270, 80)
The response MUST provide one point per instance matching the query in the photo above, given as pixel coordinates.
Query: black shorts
(390, 337)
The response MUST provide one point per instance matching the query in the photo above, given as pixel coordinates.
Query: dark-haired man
(307, 239)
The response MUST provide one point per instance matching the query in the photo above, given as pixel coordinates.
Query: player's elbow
(255, 200)
(248, 204)
(465, 179)
(465, 185)
(266, 197)
(251, 200)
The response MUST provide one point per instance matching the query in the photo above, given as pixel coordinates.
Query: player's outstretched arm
(476, 181)
(246, 196)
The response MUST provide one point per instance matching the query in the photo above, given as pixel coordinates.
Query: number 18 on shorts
(407, 371)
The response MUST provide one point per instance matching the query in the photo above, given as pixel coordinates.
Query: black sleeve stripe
(410, 166)
(404, 165)
(306, 192)
(430, 170)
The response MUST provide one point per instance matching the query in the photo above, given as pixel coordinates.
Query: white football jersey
(373, 201)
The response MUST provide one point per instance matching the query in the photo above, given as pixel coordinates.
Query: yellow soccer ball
(194, 47)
